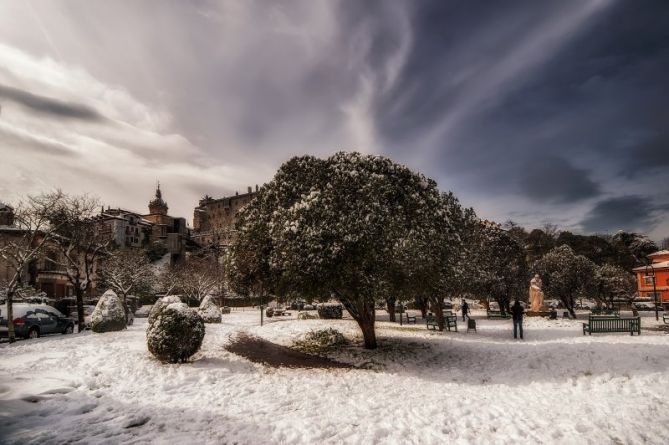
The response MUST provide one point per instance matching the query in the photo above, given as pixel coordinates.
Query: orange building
(658, 271)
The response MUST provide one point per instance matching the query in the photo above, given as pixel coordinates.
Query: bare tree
(124, 270)
(80, 244)
(197, 278)
(193, 279)
(24, 243)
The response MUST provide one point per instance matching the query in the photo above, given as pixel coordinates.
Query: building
(44, 273)
(125, 228)
(6, 215)
(165, 229)
(214, 219)
(658, 273)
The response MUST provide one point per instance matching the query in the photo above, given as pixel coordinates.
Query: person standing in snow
(517, 313)
(465, 310)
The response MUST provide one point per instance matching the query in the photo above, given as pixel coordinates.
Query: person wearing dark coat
(517, 313)
(465, 310)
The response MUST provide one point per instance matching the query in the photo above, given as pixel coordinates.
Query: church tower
(157, 206)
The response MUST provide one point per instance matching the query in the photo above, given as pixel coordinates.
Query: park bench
(612, 324)
(411, 319)
(496, 314)
(450, 321)
(665, 318)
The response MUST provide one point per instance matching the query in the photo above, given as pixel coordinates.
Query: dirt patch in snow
(262, 351)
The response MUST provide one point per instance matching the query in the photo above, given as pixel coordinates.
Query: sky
(535, 111)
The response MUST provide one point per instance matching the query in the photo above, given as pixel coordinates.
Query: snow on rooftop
(658, 265)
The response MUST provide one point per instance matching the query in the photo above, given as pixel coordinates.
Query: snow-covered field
(557, 386)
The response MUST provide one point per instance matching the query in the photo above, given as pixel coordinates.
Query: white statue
(536, 294)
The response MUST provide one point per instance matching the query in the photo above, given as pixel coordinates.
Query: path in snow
(557, 386)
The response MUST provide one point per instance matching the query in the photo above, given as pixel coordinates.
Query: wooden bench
(450, 321)
(665, 318)
(410, 319)
(496, 314)
(612, 324)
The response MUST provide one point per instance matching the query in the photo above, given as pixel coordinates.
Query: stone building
(6, 215)
(214, 219)
(168, 230)
(124, 227)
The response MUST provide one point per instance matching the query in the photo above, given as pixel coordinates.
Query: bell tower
(157, 206)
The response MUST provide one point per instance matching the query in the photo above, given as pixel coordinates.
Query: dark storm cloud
(623, 213)
(47, 105)
(550, 178)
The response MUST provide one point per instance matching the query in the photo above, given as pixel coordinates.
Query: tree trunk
(363, 313)
(81, 324)
(438, 308)
(390, 304)
(420, 302)
(11, 333)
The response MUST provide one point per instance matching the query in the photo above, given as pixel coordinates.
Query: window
(648, 280)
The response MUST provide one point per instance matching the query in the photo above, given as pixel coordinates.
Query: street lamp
(652, 269)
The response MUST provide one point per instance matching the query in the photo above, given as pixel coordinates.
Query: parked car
(35, 320)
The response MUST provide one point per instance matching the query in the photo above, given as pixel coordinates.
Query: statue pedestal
(538, 313)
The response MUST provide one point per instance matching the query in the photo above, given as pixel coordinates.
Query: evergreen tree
(565, 275)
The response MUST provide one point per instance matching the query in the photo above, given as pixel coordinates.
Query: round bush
(161, 304)
(175, 334)
(108, 315)
(321, 341)
(209, 311)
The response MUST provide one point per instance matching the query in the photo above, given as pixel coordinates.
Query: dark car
(34, 320)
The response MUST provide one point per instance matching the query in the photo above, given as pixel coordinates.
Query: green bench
(496, 314)
(612, 324)
(450, 321)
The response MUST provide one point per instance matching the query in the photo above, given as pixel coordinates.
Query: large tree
(438, 256)
(501, 269)
(80, 245)
(565, 275)
(613, 283)
(332, 227)
(24, 242)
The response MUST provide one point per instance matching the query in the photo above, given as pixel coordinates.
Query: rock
(109, 314)
(209, 311)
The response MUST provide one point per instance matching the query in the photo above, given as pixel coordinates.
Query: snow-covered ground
(557, 386)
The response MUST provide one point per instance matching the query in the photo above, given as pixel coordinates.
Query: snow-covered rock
(175, 334)
(109, 314)
(209, 311)
(161, 304)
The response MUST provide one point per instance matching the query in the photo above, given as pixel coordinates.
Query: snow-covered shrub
(330, 311)
(320, 341)
(269, 312)
(108, 314)
(175, 334)
(225, 310)
(209, 311)
(161, 304)
(306, 316)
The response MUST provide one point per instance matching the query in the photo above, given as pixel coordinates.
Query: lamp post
(652, 269)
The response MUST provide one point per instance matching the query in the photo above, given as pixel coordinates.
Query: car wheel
(69, 329)
(33, 333)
